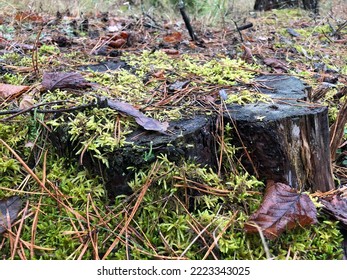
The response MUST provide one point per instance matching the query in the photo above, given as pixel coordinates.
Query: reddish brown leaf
(124, 35)
(174, 37)
(159, 74)
(7, 90)
(170, 51)
(117, 43)
(63, 80)
(9, 209)
(28, 17)
(282, 209)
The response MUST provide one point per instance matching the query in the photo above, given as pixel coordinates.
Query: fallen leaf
(141, 119)
(247, 54)
(9, 209)
(336, 206)
(117, 43)
(26, 102)
(275, 64)
(124, 35)
(63, 80)
(283, 208)
(152, 124)
(159, 74)
(178, 85)
(174, 37)
(28, 17)
(170, 51)
(12, 91)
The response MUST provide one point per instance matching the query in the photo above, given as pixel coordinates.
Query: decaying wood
(288, 140)
(338, 128)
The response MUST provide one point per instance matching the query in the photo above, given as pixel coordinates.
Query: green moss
(13, 79)
(48, 50)
(184, 199)
(163, 224)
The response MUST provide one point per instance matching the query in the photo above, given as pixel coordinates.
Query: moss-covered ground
(178, 210)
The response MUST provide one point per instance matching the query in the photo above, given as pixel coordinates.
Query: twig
(34, 57)
(238, 30)
(43, 111)
(187, 21)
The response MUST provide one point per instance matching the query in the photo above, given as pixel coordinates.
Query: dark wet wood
(288, 141)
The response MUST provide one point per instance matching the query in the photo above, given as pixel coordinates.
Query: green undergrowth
(187, 210)
(101, 131)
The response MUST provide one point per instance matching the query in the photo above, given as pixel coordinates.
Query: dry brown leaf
(117, 43)
(26, 102)
(63, 80)
(170, 51)
(28, 17)
(247, 54)
(283, 208)
(276, 64)
(12, 91)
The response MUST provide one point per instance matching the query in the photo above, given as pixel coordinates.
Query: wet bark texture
(288, 141)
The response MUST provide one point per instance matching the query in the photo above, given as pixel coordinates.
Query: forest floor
(53, 67)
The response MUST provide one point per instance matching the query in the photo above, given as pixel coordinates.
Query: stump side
(288, 141)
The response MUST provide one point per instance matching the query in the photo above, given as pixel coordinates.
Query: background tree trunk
(265, 5)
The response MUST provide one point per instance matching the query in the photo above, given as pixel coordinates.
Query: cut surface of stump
(287, 140)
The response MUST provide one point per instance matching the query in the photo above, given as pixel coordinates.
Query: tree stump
(287, 141)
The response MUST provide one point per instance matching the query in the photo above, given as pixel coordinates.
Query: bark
(265, 5)
(288, 141)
